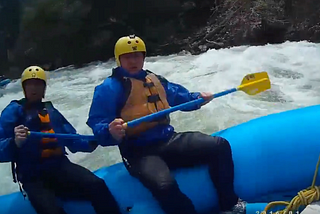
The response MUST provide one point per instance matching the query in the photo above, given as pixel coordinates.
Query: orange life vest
(46, 128)
(146, 97)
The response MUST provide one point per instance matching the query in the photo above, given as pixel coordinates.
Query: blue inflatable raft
(274, 157)
(4, 82)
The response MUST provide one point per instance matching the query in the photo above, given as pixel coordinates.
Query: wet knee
(165, 186)
(223, 144)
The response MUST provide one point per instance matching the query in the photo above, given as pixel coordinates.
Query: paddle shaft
(61, 136)
(176, 108)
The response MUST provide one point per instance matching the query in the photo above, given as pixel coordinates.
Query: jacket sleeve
(177, 94)
(103, 110)
(7, 148)
(78, 145)
(8, 121)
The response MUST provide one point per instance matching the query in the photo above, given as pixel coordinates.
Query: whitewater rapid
(292, 68)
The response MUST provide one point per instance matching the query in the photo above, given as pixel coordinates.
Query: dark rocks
(55, 33)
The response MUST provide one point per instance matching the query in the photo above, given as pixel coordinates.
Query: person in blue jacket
(41, 165)
(151, 149)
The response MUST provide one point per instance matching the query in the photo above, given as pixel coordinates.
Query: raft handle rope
(304, 197)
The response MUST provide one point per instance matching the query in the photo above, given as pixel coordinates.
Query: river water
(292, 68)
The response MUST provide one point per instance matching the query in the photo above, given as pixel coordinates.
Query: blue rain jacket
(28, 157)
(109, 98)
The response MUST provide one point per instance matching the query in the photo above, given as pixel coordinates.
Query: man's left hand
(207, 96)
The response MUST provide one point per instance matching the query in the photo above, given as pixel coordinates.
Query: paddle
(251, 84)
(61, 136)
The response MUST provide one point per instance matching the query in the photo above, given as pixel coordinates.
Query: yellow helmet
(128, 44)
(33, 72)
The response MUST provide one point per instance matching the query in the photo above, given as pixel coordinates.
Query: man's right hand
(20, 133)
(116, 129)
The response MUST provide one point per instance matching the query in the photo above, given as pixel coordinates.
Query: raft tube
(4, 82)
(274, 158)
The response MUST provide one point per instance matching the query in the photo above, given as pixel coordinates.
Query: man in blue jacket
(151, 149)
(41, 165)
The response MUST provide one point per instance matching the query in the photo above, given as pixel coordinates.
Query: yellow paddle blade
(255, 83)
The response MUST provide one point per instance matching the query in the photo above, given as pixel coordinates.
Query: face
(132, 62)
(34, 89)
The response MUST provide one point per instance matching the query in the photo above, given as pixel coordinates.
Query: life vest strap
(46, 153)
(154, 98)
(148, 84)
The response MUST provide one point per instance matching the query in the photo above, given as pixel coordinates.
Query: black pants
(69, 180)
(151, 165)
